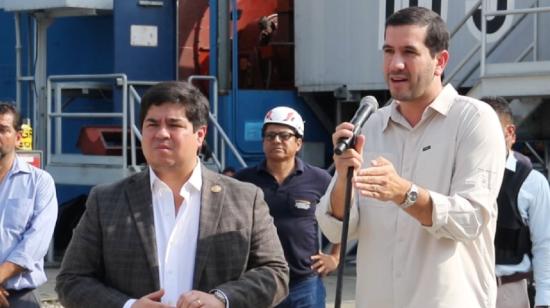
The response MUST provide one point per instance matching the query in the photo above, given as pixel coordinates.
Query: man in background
(292, 189)
(28, 211)
(522, 239)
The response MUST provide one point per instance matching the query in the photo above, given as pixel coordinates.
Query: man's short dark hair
(501, 107)
(181, 93)
(437, 34)
(7, 108)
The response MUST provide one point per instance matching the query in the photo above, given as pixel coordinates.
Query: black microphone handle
(367, 107)
(343, 144)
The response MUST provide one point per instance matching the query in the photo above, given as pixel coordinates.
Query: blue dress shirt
(28, 212)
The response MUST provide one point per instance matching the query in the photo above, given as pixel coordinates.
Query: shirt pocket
(17, 214)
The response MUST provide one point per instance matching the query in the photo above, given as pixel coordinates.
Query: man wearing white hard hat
(292, 189)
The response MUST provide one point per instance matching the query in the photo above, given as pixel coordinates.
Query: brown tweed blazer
(112, 256)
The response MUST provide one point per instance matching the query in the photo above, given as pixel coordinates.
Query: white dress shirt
(457, 153)
(176, 234)
(534, 208)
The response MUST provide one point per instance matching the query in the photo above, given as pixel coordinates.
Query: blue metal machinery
(242, 110)
(86, 45)
(100, 44)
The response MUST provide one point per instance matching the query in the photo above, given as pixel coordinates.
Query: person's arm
(265, 282)
(351, 158)
(35, 241)
(461, 213)
(8, 270)
(464, 212)
(330, 210)
(538, 198)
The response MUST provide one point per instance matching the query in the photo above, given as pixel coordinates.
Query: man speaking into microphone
(427, 171)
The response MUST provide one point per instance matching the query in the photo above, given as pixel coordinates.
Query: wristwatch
(220, 296)
(410, 197)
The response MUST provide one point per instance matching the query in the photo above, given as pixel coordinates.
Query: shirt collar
(194, 181)
(511, 161)
(441, 104)
(19, 165)
(298, 166)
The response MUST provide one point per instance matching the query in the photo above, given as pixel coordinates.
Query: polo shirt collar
(298, 167)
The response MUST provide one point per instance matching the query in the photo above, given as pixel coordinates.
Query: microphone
(367, 107)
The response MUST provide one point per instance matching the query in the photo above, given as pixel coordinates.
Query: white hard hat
(285, 116)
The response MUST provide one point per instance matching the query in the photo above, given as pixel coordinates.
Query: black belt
(514, 277)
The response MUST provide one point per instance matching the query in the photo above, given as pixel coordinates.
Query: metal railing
(131, 98)
(219, 156)
(485, 13)
(59, 82)
(482, 45)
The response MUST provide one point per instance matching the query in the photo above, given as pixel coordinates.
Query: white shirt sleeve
(470, 205)
(129, 303)
(331, 226)
(535, 192)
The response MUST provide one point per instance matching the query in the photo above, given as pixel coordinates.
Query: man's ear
(442, 59)
(300, 142)
(510, 134)
(18, 138)
(201, 134)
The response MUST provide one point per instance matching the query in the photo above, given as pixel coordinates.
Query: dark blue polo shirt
(292, 205)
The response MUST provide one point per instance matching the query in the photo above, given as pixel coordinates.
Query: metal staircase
(520, 77)
(81, 169)
(523, 78)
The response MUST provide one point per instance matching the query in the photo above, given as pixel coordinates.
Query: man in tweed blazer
(177, 234)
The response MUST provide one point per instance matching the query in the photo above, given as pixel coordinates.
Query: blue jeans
(309, 293)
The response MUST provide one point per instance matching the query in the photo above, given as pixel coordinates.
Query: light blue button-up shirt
(28, 212)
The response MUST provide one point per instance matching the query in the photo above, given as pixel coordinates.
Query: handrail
(218, 129)
(534, 152)
(530, 10)
(214, 100)
(58, 114)
(134, 130)
(463, 63)
(533, 8)
(459, 26)
(489, 52)
(465, 18)
(128, 114)
(227, 140)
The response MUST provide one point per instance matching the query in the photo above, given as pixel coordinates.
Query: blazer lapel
(140, 203)
(211, 207)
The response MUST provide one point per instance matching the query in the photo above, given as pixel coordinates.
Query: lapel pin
(216, 188)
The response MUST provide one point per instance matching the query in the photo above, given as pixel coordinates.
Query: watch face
(413, 196)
